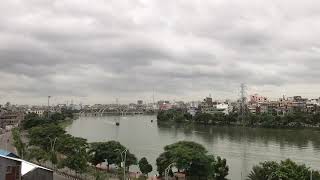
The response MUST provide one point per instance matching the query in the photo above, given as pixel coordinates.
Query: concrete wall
(38, 174)
(4, 163)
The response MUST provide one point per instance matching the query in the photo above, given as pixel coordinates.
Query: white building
(40, 112)
(224, 108)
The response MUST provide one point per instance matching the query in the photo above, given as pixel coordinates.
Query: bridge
(105, 110)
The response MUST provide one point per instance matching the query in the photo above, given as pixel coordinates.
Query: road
(6, 142)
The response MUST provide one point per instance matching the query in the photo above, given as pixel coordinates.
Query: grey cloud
(90, 49)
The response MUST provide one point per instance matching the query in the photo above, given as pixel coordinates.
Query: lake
(242, 147)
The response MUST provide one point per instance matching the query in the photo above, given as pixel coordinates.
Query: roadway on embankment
(6, 142)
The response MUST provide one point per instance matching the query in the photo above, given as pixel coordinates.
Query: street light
(48, 105)
(123, 159)
(167, 170)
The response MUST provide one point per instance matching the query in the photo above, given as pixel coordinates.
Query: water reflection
(296, 138)
(242, 147)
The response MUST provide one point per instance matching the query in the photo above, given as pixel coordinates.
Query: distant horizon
(54, 102)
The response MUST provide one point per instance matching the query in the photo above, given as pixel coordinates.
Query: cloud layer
(97, 51)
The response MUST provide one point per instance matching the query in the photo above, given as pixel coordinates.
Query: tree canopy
(192, 158)
(285, 170)
(144, 166)
(110, 151)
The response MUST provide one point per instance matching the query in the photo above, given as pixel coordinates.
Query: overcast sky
(95, 51)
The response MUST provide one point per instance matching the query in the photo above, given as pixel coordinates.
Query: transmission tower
(48, 106)
(243, 100)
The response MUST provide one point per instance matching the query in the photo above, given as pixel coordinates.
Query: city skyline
(185, 50)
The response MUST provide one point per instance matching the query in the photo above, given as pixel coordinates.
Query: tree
(163, 161)
(130, 160)
(203, 118)
(100, 151)
(57, 117)
(285, 170)
(68, 145)
(31, 116)
(78, 161)
(44, 136)
(68, 112)
(17, 142)
(192, 158)
(187, 116)
(33, 120)
(220, 169)
(179, 118)
(144, 166)
(38, 154)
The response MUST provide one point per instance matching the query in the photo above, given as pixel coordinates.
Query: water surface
(242, 147)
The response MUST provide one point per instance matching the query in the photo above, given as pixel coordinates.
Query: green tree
(31, 116)
(130, 160)
(44, 136)
(78, 161)
(68, 112)
(57, 117)
(38, 154)
(68, 145)
(179, 118)
(33, 120)
(18, 143)
(144, 166)
(220, 168)
(100, 151)
(203, 118)
(192, 158)
(285, 170)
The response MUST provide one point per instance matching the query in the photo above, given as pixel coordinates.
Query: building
(39, 112)
(9, 169)
(7, 153)
(258, 104)
(192, 110)
(165, 106)
(212, 107)
(17, 169)
(299, 104)
(258, 99)
(11, 119)
(140, 102)
(313, 105)
(223, 107)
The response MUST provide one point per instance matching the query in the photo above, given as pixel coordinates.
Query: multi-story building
(255, 98)
(258, 104)
(223, 107)
(39, 112)
(212, 107)
(313, 105)
(11, 119)
(165, 106)
(299, 104)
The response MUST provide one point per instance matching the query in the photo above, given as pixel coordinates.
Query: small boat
(117, 123)
(152, 120)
